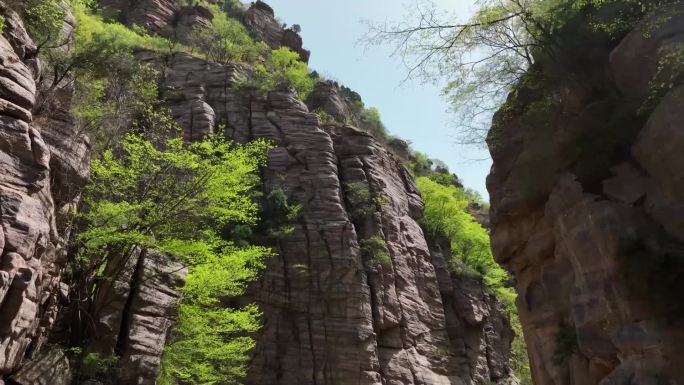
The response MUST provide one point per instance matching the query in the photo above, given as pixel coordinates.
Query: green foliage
(446, 215)
(44, 22)
(374, 252)
(283, 70)
(2, 23)
(360, 199)
(94, 366)
(371, 122)
(92, 27)
(227, 40)
(209, 345)
(326, 118)
(520, 361)
(168, 198)
(112, 87)
(279, 213)
(566, 343)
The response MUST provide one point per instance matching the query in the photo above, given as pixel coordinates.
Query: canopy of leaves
(446, 216)
(209, 344)
(227, 40)
(169, 197)
(480, 60)
(283, 70)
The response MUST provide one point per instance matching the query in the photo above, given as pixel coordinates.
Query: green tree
(372, 122)
(480, 60)
(45, 22)
(283, 70)
(169, 197)
(446, 216)
(157, 193)
(227, 40)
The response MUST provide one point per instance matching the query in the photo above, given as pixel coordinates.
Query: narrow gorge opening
(447, 193)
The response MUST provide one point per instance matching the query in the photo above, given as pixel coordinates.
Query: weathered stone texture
(328, 318)
(30, 239)
(587, 211)
(134, 313)
(260, 19)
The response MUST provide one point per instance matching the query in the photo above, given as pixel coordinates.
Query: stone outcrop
(587, 208)
(332, 313)
(133, 313)
(329, 316)
(328, 97)
(169, 18)
(261, 20)
(42, 163)
(49, 367)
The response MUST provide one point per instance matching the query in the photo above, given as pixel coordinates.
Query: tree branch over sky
(476, 61)
(480, 60)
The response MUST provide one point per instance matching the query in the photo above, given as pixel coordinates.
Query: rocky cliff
(587, 203)
(330, 316)
(332, 312)
(43, 162)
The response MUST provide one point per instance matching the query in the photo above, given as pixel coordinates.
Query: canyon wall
(587, 206)
(43, 163)
(332, 314)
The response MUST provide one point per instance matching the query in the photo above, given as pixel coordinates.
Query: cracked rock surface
(596, 238)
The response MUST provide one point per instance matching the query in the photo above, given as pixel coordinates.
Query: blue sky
(414, 111)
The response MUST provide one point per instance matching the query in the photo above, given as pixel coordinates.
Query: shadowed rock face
(43, 162)
(329, 317)
(587, 210)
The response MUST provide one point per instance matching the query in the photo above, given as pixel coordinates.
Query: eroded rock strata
(587, 201)
(327, 317)
(43, 163)
(331, 315)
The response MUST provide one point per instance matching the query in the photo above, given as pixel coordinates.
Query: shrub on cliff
(156, 192)
(446, 216)
(284, 69)
(226, 40)
(374, 252)
(372, 122)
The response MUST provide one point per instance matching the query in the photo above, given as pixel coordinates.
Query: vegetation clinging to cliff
(162, 195)
(151, 191)
(446, 216)
(479, 61)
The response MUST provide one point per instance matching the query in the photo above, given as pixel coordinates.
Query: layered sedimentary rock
(169, 18)
(587, 205)
(332, 315)
(133, 313)
(260, 19)
(329, 317)
(42, 164)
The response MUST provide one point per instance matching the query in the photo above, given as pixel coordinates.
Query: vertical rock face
(332, 314)
(170, 18)
(134, 313)
(587, 207)
(261, 20)
(43, 162)
(329, 316)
